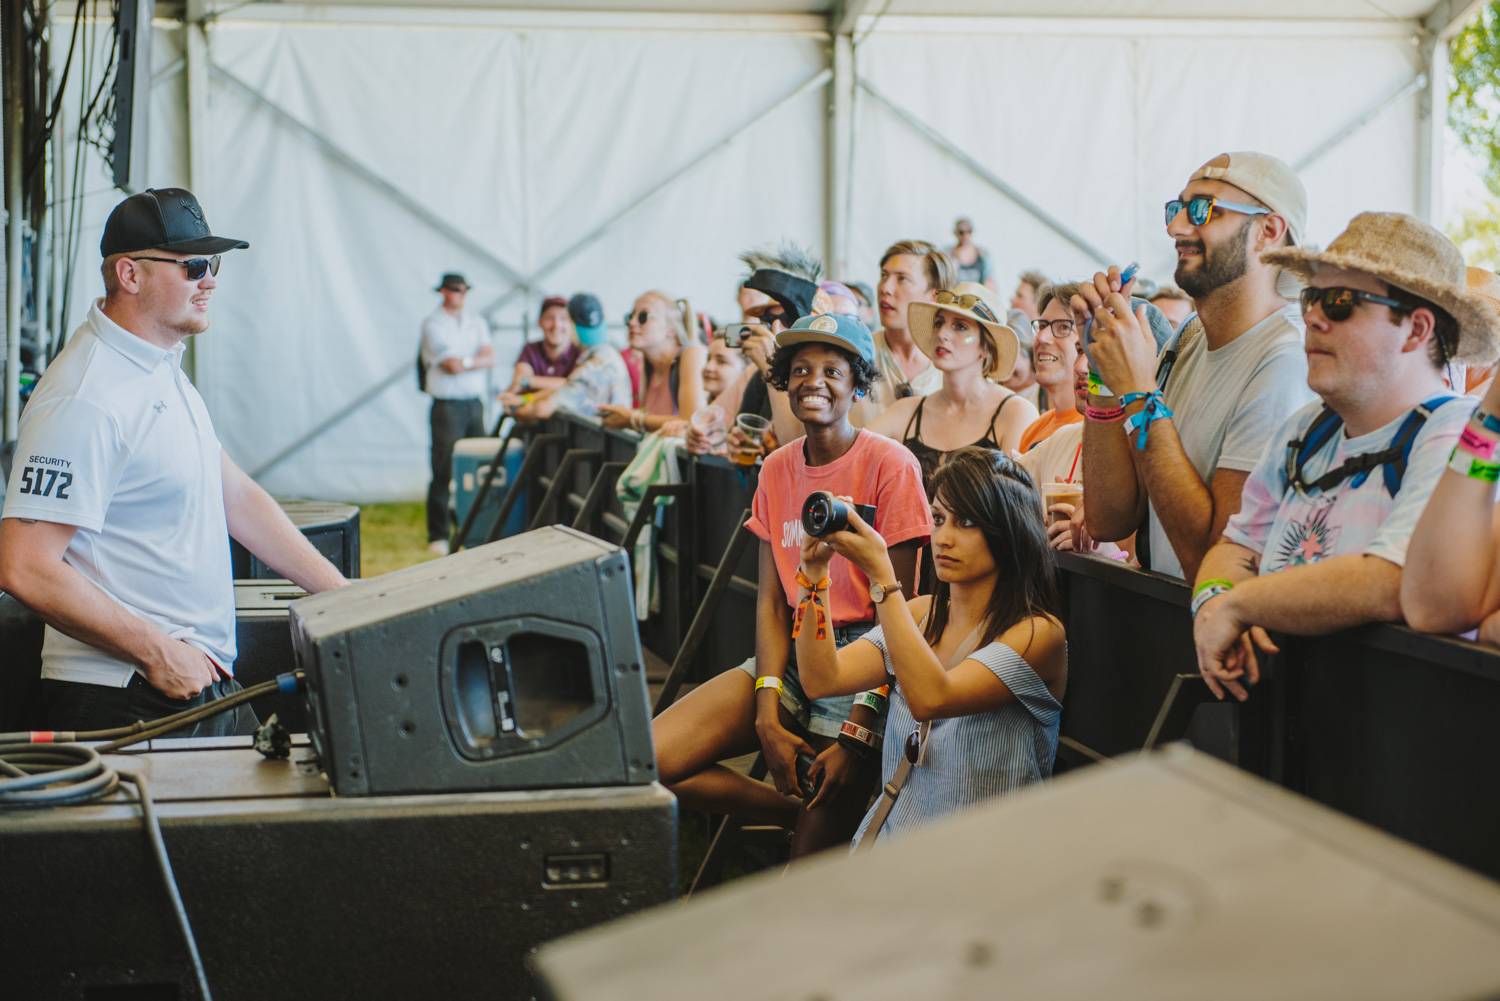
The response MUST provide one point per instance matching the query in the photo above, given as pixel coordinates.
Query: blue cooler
(471, 464)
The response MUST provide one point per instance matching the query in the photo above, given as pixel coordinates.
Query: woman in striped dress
(978, 668)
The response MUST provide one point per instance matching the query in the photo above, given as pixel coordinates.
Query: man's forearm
(1318, 598)
(71, 603)
(257, 522)
(1113, 509)
(1228, 561)
(1181, 499)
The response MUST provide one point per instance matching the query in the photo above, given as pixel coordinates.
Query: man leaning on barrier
(1321, 534)
(1212, 398)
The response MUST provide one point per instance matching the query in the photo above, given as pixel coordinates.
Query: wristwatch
(879, 592)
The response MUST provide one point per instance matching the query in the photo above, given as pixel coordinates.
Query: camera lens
(823, 514)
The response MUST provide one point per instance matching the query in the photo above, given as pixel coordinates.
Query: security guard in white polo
(121, 501)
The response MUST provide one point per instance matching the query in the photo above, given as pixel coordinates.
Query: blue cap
(838, 329)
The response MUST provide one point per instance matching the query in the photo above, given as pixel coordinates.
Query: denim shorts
(817, 716)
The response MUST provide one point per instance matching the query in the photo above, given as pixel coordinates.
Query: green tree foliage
(1474, 117)
(1474, 90)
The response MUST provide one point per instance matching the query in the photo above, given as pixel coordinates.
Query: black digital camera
(824, 514)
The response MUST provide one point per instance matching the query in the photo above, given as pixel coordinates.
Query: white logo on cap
(824, 324)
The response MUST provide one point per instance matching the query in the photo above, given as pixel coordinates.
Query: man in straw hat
(1214, 396)
(1321, 535)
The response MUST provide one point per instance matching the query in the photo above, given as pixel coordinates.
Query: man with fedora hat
(1214, 396)
(1322, 530)
(455, 351)
(121, 502)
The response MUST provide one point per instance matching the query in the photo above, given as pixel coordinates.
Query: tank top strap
(916, 417)
(989, 431)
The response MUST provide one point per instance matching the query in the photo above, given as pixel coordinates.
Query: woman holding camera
(973, 348)
(823, 363)
(979, 666)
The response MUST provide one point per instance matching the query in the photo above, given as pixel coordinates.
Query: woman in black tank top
(968, 343)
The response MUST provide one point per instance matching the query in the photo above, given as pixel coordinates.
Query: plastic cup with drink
(1054, 494)
(757, 432)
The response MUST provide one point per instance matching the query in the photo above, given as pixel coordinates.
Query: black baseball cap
(792, 293)
(585, 310)
(162, 219)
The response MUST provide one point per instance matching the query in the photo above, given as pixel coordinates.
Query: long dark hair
(989, 490)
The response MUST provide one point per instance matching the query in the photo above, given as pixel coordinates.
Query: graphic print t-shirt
(1290, 528)
(876, 470)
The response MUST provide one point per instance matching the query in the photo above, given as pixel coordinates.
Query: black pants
(451, 420)
(73, 705)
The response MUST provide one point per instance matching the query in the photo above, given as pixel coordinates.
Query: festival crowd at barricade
(1298, 434)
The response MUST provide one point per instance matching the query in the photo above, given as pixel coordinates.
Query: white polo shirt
(116, 441)
(446, 336)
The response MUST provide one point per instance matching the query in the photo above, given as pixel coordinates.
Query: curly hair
(863, 372)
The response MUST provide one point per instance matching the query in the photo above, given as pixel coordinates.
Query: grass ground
(392, 536)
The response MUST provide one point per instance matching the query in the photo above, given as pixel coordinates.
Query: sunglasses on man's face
(1338, 303)
(196, 267)
(1200, 210)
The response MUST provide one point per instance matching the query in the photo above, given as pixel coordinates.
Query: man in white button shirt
(121, 500)
(455, 352)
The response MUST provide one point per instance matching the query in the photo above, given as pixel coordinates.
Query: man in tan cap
(1321, 534)
(1200, 413)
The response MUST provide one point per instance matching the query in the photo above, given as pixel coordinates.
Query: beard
(1222, 264)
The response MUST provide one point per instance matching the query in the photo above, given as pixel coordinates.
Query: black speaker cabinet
(21, 632)
(1168, 877)
(515, 665)
(332, 528)
(263, 637)
(294, 894)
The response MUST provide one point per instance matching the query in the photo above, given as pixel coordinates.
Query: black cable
(35, 772)
(169, 880)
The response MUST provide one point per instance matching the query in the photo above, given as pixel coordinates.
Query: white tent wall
(1100, 126)
(521, 141)
(362, 151)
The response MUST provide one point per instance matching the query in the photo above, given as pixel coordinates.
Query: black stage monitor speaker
(332, 528)
(263, 636)
(515, 665)
(1170, 877)
(295, 895)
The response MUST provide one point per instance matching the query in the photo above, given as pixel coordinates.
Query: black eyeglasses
(196, 267)
(1200, 210)
(1059, 328)
(1338, 303)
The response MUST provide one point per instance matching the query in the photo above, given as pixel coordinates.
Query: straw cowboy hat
(1409, 255)
(975, 303)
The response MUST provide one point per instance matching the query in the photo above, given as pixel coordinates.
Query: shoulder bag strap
(893, 788)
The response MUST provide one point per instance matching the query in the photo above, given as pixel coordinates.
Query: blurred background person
(1022, 378)
(971, 261)
(547, 363)
(672, 380)
(599, 378)
(1028, 288)
(1173, 302)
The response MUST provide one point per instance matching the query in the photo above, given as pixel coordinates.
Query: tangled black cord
(41, 769)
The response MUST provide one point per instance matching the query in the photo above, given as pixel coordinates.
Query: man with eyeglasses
(1321, 535)
(121, 500)
(1174, 443)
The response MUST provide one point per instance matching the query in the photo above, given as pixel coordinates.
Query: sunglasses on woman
(1338, 303)
(1200, 210)
(196, 267)
(968, 301)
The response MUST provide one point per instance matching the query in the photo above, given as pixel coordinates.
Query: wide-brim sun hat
(975, 303)
(1409, 255)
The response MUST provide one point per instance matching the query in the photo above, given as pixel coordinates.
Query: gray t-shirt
(1229, 403)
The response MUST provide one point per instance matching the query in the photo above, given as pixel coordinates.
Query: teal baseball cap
(838, 329)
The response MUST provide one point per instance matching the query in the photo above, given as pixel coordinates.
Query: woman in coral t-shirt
(823, 363)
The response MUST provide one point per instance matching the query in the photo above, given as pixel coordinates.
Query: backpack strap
(1392, 460)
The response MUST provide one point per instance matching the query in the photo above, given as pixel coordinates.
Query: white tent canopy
(362, 149)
